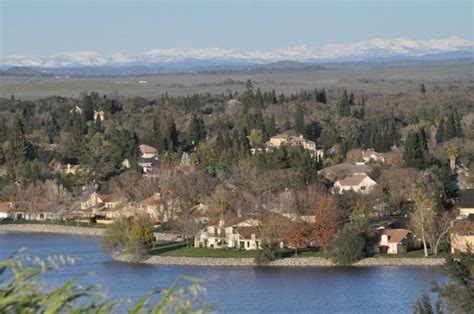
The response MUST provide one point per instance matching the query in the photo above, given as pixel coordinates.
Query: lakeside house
(238, 233)
(462, 232)
(359, 182)
(37, 211)
(98, 202)
(390, 241)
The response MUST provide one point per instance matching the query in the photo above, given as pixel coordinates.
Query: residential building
(99, 115)
(295, 141)
(370, 155)
(466, 203)
(462, 234)
(342, 170)
(238, 233)
(147, 151)
(390, 241)
(358, 182)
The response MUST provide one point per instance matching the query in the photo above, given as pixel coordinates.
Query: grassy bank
(180, 249)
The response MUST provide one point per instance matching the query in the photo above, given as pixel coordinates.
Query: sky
(42, 28)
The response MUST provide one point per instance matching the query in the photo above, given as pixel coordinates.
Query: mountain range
(360, 51)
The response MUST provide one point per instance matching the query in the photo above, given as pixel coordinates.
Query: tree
(295, 236)
(422, 88)
(423, 217)
(343, 106)
(327, 221)
(453, 153)
(18, 151)
(439, 230)
(440, 132)
(456, 294)
(140, 239)
(299, 126)
(256, 137)
(348, 247)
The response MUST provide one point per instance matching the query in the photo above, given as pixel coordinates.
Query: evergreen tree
(270, 126)
(299, 126)
(423, 89)
(343, 107)
(440, 132)
(19, 150)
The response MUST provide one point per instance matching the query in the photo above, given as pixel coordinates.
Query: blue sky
(42, 28)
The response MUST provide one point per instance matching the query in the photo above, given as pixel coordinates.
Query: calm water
(239, 290)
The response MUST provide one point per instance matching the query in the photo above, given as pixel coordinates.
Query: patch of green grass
(412, 254)
(310, 254)
(180, 249)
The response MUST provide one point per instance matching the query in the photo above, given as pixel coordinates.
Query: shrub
(348, 247)
(270, 251)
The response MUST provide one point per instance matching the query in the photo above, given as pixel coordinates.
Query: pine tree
(343, 107)
(423, 89)
(299, 126)
(440, 132)
(18, 149)
(270, 126)
(450, 126)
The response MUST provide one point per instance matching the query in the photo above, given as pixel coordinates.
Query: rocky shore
(83, 231)
(287, 262)
(45, 228)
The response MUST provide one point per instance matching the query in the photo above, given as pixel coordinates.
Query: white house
(358, 182)
(370, 154)
(238, 233)
(390, 241)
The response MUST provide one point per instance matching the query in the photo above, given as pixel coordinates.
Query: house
(358, 182)
(70, 169)
(295, 141)
(148, 160)
(370, 155)
(147, 152)
(466, 203)
(6, 210)
(462, 234)
(39, 211)
(238, 233)
(338, 171)
(101, 201)
(390, 241)
(99, 115)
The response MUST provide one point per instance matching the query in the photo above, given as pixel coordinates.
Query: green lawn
(180, 249)
(413, 254)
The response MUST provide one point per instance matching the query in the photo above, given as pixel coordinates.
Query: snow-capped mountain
(376, 48)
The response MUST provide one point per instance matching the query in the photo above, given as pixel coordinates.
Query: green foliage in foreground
(455, 296)
(20, 292)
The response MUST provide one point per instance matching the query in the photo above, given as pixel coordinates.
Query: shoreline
(286, 262)
(46, 228)
(217, 261)
(73, 230)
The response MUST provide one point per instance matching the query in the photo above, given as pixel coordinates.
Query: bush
(270, 251)
(348, 247)
(132, 237)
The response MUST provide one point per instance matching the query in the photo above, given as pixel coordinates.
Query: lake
(238, 290)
